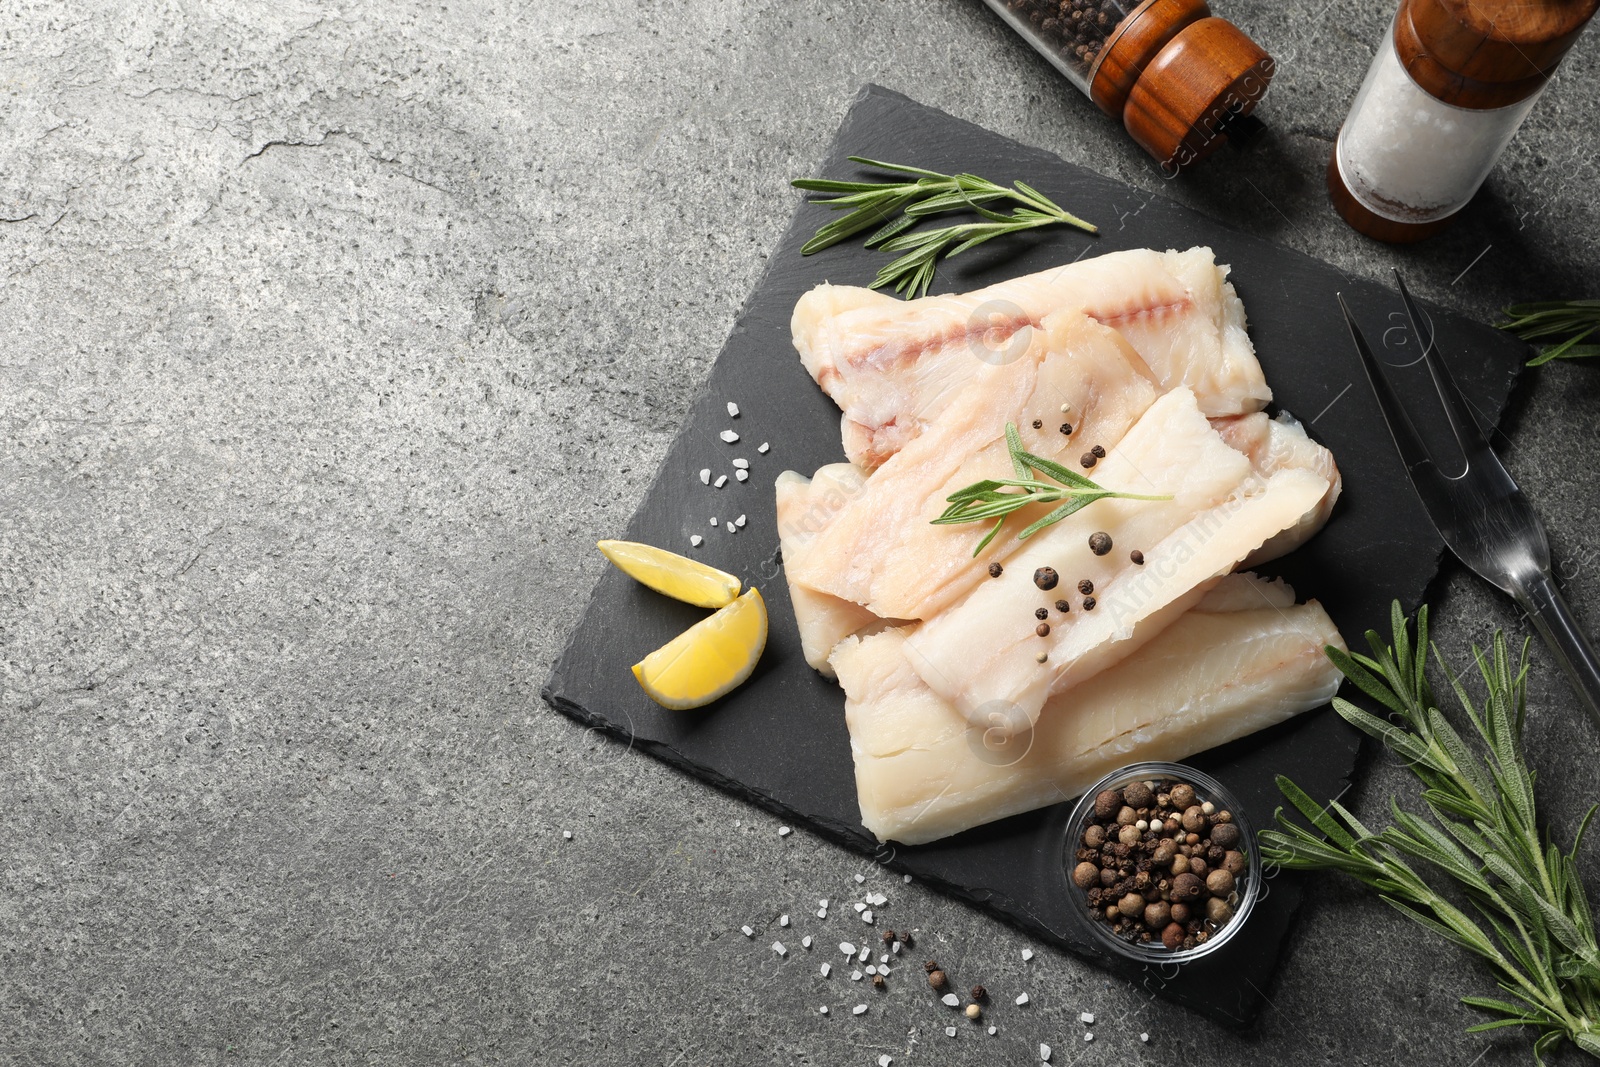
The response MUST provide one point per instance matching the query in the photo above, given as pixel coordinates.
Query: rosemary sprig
(1533, 925)
(995, 498)
(875, 205)
(1570, 320)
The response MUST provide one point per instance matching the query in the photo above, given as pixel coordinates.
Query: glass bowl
(1206, 788)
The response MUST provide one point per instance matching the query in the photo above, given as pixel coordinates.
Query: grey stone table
(333, 338)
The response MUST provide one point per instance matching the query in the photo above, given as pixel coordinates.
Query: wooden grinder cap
(1483, 54)
(1176, 76)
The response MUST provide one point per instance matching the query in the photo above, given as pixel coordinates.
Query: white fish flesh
(892, 365)
(805, 508)
(1245, 658)
(881, 551)
(980, 655)
(1282, 444)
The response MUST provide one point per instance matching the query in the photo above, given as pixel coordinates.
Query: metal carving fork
(1481, 514)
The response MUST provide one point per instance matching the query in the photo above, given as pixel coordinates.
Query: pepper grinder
(1450, 85)
(1181, 80)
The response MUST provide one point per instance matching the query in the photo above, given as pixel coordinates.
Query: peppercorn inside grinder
(1240, 897)
(1181, 80)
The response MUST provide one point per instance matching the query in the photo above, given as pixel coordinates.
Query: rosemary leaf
(1567, 322)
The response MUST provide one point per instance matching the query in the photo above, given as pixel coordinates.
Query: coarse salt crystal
(805, 942)
(722, 480)
(885, 1060)
(866, 916)
(847, 948)
(696, 541)
(865, 952)
(823, 1010)
(951, 1000)
(741, 463)
(1145, 1038)
(705, 475)
(884, 958)
(783, 920)
(860, 878)
(763, 448)
(822, 913)
(827, 969)
(949, 1031)
(860, 907)
(713, 520)
(883, 970)
(566, 835)
(906, 879)
(731, 527)
(1027, 954)
(878, 900)
(993, 1030)
(895, 948)
(1088, 1037)
(742, 475)
(780, 948)
(733, 410)
(783, 831)
(729, 436)
(739, 521)
(1044, 1052)
(746, 931)
(855, 976)
(823, 903)
(871, 969)
(1086, 1017)
(859, 1009)
(1021, 1000)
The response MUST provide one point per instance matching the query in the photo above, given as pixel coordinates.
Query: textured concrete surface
(334, 337)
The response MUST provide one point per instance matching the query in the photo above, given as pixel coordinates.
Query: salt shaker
(1452, 81)
(1181, 80)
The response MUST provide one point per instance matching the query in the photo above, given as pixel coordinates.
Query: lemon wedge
(709, 659)
(677, 576)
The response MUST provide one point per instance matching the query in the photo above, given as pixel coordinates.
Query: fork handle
(1541, 599)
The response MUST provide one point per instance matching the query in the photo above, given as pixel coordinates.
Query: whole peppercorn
(1098, 451)
(1137, 557)
(1180, 913)
(1221, 817)
(1087, 459)
(1043, 629)
(1198, 867)
(1165, 853)
(1218, 910)
(937, 979)
(1062, 605)
(1219, 882)
(1094, 836)
(1041, 613)
(1157, 914)
(1088, 603)
(1108, 878)
(979, 993)
(878, 982)
(1180, 864)
(888, 937)
(1129, 835)
(1066, 427)
(1234, 863)
(995, 570)
(1126, 816)
(930, 966)
(1182, 796)
(1100, 542)
(905, 939)
(1037, 423)
(1046, 577)
(973, 1011)
(1085, 875)
(1215, 855)
(1186, 887)
(1107, 803)
(1131, 904)
(1138, 795)
(1085, 587)
(1194, 819)
(1172, 936)
(1226, 835)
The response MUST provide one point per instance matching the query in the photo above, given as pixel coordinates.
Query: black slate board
(780, 741)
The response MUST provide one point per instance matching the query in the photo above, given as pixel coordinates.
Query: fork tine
(1401, 428)
(1463, 422)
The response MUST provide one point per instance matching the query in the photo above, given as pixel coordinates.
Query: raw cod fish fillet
(1244, 658)
(878, 549)
(980, 654)
(805, 508)
(1282, 444)
(892, 365)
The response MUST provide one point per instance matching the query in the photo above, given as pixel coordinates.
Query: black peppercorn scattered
(888, 937)
(1086, 587)
(1066, 427)
(979, 993)
(995, 570)
(1100, 543)
(1137, 557)
(1045, 577)
(1062, 605)
(1041, 613)
(1088, 603)
(1037, 423)
(878, 982)
(1087, 459)
(1098, 451)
